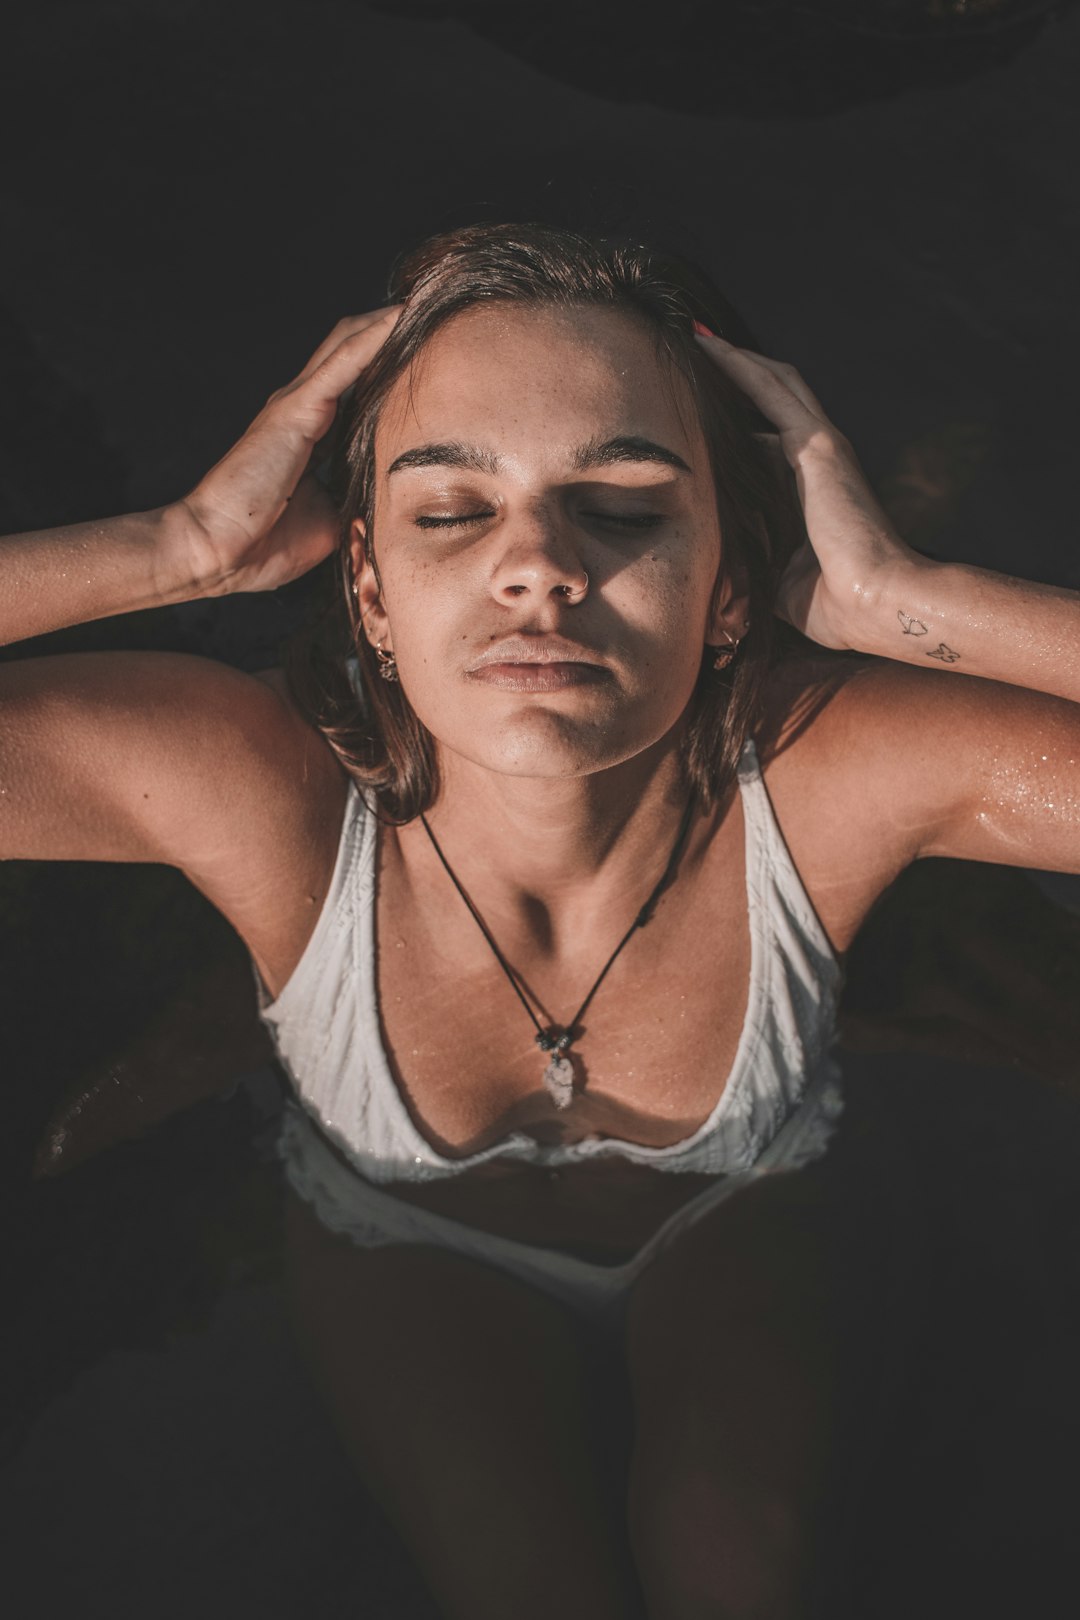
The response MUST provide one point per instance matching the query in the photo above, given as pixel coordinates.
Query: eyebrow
(595, 453)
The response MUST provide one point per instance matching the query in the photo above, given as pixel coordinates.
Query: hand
(258, 519)
(852, 547)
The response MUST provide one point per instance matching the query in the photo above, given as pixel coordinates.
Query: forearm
(976, 622)
(58, 577)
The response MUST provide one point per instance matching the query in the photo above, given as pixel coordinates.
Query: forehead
(502, 371)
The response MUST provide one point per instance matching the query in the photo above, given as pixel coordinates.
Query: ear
(368, 594)
(728, 619)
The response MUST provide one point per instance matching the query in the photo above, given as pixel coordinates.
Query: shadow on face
(546, 538)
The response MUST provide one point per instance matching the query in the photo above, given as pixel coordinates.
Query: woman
(548, 918)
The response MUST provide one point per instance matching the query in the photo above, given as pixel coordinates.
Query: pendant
(559, 1080)
(559, 1074)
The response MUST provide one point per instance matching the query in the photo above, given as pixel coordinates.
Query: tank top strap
(757, 809)
(779, 885)
(327, 957)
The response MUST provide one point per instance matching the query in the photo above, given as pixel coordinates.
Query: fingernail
(702, 331)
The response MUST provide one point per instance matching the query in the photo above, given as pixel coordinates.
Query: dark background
(193, 194)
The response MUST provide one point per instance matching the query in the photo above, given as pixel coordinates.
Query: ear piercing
(726, 652)
(387, 662)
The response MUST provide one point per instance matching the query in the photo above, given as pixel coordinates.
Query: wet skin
(582, 534)
(559, 805)
(575, 788)
(557, 810)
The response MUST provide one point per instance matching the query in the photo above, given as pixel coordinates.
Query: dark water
(195, 193)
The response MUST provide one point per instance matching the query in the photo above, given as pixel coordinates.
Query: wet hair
(376, 734)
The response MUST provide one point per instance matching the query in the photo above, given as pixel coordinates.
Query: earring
(387, 663)
(726, 653)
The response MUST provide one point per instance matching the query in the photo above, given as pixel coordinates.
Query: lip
(519, 651)
(550, 676)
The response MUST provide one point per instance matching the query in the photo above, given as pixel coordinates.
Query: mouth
(552, 677)
(537, 664)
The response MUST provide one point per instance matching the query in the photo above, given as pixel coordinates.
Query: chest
(653, 1048)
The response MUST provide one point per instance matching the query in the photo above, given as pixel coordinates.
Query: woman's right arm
(122, 755)
(60, 577)
(253, 523)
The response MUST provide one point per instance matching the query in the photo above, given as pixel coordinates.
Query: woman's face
(547, 540)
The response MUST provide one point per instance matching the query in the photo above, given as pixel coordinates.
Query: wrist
(186, 567)
(890, 604)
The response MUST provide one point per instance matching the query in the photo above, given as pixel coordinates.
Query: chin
(546, 743)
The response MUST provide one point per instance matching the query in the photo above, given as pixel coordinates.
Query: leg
(731, 1351)
(464, 1397)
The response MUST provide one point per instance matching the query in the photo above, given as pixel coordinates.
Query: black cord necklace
(559, 1074)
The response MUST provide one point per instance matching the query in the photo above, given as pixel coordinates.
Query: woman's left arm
(857, 586)
(984, 770)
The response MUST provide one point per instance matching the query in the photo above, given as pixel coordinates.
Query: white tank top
(325, 1028)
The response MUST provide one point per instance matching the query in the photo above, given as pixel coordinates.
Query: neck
(556, 853)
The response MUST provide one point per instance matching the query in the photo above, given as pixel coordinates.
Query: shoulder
(269, 778)
(900, 743)
(119, 755)
(264, 823)
(870, 765)
(823, 700)
(887, 722)
(246, 754)
(219, 771)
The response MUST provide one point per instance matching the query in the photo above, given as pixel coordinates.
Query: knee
(709, 1544)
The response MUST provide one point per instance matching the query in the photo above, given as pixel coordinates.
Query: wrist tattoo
(912, 627)
(915, 627)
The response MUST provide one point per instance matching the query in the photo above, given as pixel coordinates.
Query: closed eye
(625, 520)
(451, 522)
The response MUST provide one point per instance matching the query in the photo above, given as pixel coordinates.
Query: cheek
(423, 596)
(665, 594)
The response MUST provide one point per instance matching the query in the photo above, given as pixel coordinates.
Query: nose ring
(568, 590)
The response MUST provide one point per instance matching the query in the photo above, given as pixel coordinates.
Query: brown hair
(379, 738)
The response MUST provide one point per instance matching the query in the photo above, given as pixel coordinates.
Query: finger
(791, 378)
(348, 327)
(721, 349)
(774, 386)
(312, 400)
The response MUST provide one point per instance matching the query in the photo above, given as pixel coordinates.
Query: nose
(539, 560)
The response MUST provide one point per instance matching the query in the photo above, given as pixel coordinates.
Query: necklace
(557, 1040)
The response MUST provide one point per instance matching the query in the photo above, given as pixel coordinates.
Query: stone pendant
(559, 1080)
